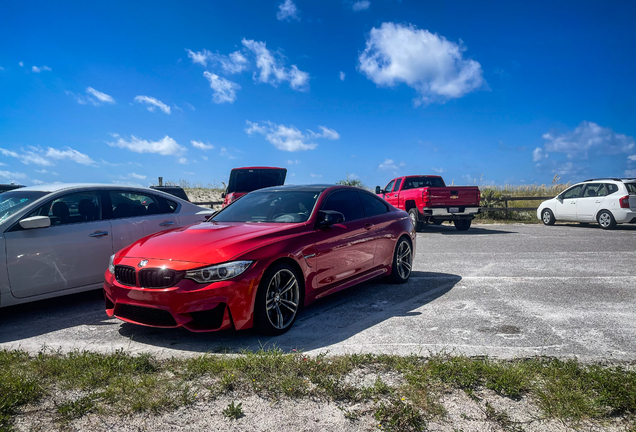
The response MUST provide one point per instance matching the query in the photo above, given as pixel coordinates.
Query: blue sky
(485, 92)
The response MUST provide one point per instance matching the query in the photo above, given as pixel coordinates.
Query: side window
(611, 188)
(398, 182)
(131, 203)
(389, 187)
(631, 188)
(594, 190)
(72, 208)
(345, 202)
(372, 205)
(573, 192)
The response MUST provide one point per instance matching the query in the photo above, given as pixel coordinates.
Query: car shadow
(451, 230)
(620, 227)
(328, 321)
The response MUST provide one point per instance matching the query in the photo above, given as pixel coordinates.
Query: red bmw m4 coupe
(258, 261)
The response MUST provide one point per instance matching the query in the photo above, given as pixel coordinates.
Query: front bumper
(196, 307)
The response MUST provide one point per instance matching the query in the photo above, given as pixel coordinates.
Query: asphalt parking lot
(498, 290)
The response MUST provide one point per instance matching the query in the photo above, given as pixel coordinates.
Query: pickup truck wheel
(462, 224)
(413, 214)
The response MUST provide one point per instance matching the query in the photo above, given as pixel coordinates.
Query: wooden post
(160, 181)
(506, 207)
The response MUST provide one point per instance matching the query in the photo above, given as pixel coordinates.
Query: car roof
(55, 187)
(304, 188)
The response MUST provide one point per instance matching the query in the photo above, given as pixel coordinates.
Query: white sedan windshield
(13, 201)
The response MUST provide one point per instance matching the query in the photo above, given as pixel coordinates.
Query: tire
(462, 224)
(547, 217)
(606, 220)
(280, 289)
(414, 216)
(402, 262)
(436, 221)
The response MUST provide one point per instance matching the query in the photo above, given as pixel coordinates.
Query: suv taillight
(624, 201)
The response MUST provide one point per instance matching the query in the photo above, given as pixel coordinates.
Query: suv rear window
(631, 188)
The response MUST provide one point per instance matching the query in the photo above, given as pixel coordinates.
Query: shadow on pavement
(620, 227)
(451, 230)
(326, 322)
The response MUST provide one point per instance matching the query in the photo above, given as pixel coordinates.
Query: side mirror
(559, 198)
(223, 195)
(378, 190)
(329, 217)
(35, 222)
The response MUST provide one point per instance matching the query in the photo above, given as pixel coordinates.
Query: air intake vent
(125, 275)
(145, 315)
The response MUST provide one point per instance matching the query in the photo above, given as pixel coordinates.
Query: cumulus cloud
(201, 145)
(271, 71)
(233, 63)
(13, 175)
(133, 175)
(42, 157)
(224, 90)
(588, 137)
(153, 103)
(287, 11)
(538, 154)
(427, 62)
(165, 146)
(388, 164)
(40, 69)
(361, 5)
(437, 170)
(630, 173)
(632, 158)
(342, 76)
(289, 138)
(102, 97)
(182, 161)
(44, 171)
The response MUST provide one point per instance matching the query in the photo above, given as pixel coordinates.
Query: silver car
(57, 239)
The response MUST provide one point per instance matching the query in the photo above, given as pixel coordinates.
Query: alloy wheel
(404, 259)
(546, 217)
(605, 220)
(282, 299)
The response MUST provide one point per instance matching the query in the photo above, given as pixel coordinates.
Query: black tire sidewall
(552, 219)
(261, 321)
(395, 274)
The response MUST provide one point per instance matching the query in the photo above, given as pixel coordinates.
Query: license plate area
(453, 209)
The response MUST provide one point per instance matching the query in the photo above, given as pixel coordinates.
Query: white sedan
(57, 239)
(605, 201)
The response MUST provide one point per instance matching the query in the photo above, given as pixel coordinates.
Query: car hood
(208, 242)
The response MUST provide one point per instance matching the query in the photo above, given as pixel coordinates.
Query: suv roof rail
(604, 178)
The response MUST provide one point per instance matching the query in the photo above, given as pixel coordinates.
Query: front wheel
(606, 220)
(402, 262)
(547, 217)
(278, 300)
(414, 216)
(462, 224)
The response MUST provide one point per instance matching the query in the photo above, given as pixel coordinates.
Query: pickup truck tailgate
(456, 196)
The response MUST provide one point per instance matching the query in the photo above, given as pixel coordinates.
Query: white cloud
(289, 138)
(287, 10)
(201, 145)
(225, 153)
(133, 175)
(224, 90)
(630, 173)
(632, 158)
(388, 164)
(101, 97)
(44, 171)
(588, 138)
(293, 162)
(342, 76)
(70, 154)
(39, 156)
(189, 106)
(427, 62)
(21, 64)
(316, 175)
(233, 63)
(204, 158)
(153, 103)
(437, 170)
(361, 5)
(182, 161)
(39, 69)
(13, 175)
(272, 71)
(165, 146)
(538, 154)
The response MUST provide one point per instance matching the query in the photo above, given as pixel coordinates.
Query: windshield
(13, 201)
(248, 180)
(273, 206)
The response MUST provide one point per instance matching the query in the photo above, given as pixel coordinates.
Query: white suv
(607, 201)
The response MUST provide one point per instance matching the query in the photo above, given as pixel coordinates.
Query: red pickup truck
(427, 199)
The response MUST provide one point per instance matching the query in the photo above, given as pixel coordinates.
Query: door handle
(166, 223)
(368, 226)
(598, 202)
(99, 234)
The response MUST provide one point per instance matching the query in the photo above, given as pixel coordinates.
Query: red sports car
(259, 260)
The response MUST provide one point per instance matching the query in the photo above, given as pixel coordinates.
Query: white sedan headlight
(111, 266)
(218, 272)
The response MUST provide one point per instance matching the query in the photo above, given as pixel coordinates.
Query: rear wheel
(606, 220)
(278, 300)
(547, 217)
(414, 216)
(402, 262)
(462, 224)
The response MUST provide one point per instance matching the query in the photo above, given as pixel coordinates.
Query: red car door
(347, 249)
(393, 197)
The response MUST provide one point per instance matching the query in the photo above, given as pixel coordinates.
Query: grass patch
(122, 384)
(234, 411)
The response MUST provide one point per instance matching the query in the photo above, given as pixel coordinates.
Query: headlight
(219, 272)
(111, 266)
